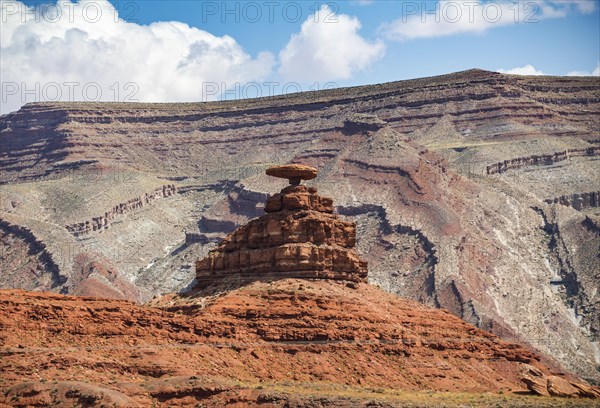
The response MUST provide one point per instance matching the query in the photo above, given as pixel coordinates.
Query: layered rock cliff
(545, 159)
(578, 201)
(102, 222)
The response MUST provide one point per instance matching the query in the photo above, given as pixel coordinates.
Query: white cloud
(87, 43)
(451, 17)
(524, 70)
(328, 47)
(595, 72)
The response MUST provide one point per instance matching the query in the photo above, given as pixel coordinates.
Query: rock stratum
(287, 343)
(412, 163)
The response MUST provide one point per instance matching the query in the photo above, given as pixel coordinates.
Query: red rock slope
(218, 348)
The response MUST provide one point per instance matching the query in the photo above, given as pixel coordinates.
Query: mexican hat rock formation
(298, 237)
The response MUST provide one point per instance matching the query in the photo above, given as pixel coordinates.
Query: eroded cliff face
(541, 160)
(578, 201)
(104, 221)
(406, 161)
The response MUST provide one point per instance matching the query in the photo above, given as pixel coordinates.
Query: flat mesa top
(292, 172)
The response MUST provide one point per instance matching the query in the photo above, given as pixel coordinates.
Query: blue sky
(164, 51)
(555, 45)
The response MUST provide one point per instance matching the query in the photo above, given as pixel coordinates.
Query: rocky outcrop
(210, 225)
(552, 385)
(199, 238)
(578, 201)
(103, 221)
(537, 160)
(67, 393)
(299, 237)
(295, 173)
(362, 122)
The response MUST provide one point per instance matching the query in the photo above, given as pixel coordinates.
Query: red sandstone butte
(299, 237)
